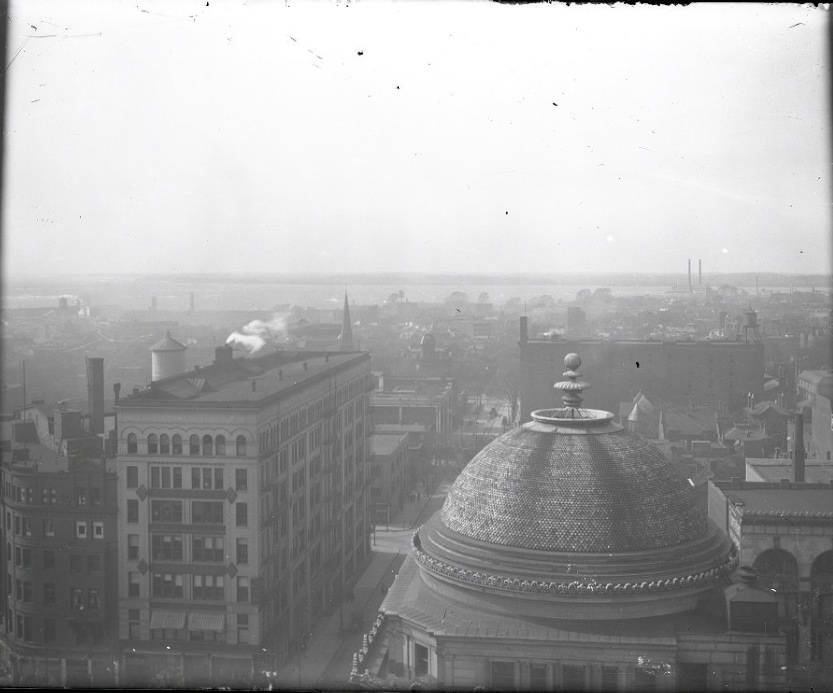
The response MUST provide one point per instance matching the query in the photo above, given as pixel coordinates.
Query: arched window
(165, 444)
(176, 444)
(194, 444)
(132, 444)
(241, 446)
(207, 445)
(153, 444)
(778, 570)
(220, 445)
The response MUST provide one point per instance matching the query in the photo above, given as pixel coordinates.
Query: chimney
(700, 272)
(223, 356)
(524, 329)
(95, 394)
(689, 276)
(798, 458)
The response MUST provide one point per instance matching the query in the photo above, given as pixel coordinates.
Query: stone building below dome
(571, 554)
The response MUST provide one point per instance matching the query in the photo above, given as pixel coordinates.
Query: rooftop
(246, 382)
(382, 444)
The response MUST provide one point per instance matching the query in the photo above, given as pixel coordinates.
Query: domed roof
(573, 481)
(168, 343)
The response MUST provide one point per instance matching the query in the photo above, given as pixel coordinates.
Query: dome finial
(573, 387)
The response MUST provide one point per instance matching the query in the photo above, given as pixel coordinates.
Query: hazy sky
(260, 136)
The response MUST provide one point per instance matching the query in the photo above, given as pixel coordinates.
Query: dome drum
(572, 517)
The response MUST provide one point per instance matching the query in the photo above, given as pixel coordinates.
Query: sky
(260, 136)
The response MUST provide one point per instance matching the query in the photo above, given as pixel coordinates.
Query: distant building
(59, 549)
(718, 374)
(245, 512)
(425, 401)
(390, 474)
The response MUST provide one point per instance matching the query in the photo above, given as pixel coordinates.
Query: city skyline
(413, 138)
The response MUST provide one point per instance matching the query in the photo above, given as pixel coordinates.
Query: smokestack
(95, 394)
(700, 272)
(223, 356)
(524, 329)
(799, 454)
(689, 276)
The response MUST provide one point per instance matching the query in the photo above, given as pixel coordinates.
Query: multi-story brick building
(720, 374)
(245, 511)
(59, 558)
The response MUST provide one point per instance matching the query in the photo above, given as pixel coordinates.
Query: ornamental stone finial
(573, 387)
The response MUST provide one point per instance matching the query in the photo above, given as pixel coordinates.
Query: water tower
(167, 358)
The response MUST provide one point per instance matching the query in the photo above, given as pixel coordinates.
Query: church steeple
(346, 337)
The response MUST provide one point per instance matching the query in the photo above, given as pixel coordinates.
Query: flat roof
(769, 469)
(387, 443)
(793, 500)
(245, 382)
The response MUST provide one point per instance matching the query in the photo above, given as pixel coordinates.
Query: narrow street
(326, 661)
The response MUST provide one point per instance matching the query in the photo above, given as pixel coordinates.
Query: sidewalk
(326, 660)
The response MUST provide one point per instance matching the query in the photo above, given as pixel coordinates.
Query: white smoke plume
(257, 333)
(252, 342)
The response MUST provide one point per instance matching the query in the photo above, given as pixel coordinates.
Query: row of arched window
(207, 446)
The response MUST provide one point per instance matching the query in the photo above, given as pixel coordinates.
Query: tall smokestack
(95, 394)
(799, 454)
(689, 276)
(700, 272)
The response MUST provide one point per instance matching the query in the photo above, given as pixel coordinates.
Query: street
(326, 661)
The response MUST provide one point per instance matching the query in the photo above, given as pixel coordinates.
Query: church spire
(346, 337)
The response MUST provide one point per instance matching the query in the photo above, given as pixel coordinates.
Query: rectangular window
(133, 623)
(94, 563)
(48, 559)
(242, 629)
(98, 530)
(48, 630)
(132, 477)
(206, 513)
(81, 529)
(209, 587)
(166, 547)
(132, 547)
(241, 481)
(167, 586)
(242, 589)
(133, 584)
(166, 511)
(421, 660)
(132, 510)
(48, 592)
(242, 514)
(242, 551)
(574, 677)
(208, 549)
